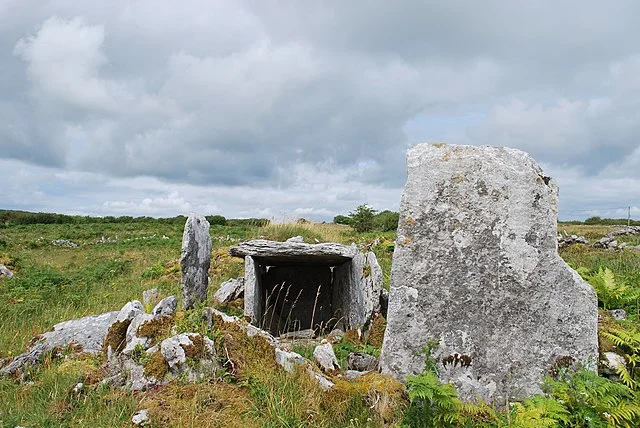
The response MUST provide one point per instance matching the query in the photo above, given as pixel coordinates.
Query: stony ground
(69, 271)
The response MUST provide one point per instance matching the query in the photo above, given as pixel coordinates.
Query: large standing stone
(195, 260)
(476, 270)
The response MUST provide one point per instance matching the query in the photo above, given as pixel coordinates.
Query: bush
(362, 218)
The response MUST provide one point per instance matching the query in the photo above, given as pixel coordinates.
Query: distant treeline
(604, 221)
(10, 217)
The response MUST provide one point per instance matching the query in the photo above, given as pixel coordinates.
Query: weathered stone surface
(88, 333)
(329, 253)
(476, 269)
(325, 357)
(252, 291)
(141, 418)
(166, 307)
(361, 362)
(618, 314)
(150, 297)
(357, 289)
(289, 360)
(4, 272)
(195, 260)
(296, 239)
(130, 310)
(611, 363)
(229, 291)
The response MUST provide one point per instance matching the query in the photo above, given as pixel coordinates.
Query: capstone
(477, 277)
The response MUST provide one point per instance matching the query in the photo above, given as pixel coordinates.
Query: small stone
(4, 272)
(141, 418)
(295, 239)
(166, 307)
(150, 297)
(229, 290)
(325, 384)
(300, 334)
(353, 374)
(77, 388)
(325, 357)
(289, 360)
(361, 362)
(618, 314)
(612, 363)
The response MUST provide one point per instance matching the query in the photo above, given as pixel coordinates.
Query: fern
(612, 292)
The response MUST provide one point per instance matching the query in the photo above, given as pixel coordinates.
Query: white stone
(166, 307)
(613, 361)
(141, 418)
(325, 357)
(476, 269)
(289, 360)
(150, 297)
(130, 311)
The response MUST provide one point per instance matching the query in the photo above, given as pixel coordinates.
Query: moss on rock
(156, 329)
(116, 336)
(157, 367)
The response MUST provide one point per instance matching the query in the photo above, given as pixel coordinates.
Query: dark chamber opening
(297, 296)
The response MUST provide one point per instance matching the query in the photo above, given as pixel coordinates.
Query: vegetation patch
(157, 367)
(376, 331)
(197, 350)
(116, 336)
(156, 329)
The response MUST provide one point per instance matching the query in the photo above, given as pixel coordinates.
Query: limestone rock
(353, 374)
(289, 360)
(229, 291)
(325, 357)
(618, 314)
(166, 307)
(195, 260)
(150, 297)
(130, 310)
(296, 239)
(476, 270)
(329, 252)
(612, 363)
(361, 362)
(87, 333)
(141, 418)
(5, 273)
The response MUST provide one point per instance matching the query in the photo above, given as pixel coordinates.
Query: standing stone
(195, 260)
(476, 273)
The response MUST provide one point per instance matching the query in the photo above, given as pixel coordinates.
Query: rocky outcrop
(83, 334)
(476, 276)
(195, 260)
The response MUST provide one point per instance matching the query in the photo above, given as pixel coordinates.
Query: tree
(362, 218)
(386, 221)
(342, 219)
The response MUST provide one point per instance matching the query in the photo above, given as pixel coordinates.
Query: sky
(287, 109)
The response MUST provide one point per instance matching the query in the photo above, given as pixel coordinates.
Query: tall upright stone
(476, 272)
(195, 260)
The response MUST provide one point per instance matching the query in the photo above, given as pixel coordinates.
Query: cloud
(280, 99)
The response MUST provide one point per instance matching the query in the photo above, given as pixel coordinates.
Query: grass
(54, 284)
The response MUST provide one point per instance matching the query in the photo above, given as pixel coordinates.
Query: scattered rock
(195, 260)
(166, 307)
(325, 384)
(150, 297)
(295, 239)
(77, 388)
(611, 363)
(229, 291)
(130, 310)
(300, 334)
(565, 241)
(289, 360)
(618, 314)
(325, 357)
(475, 269)
(4, 272)
(141, 418)
(361, 362)
(353, 374)
(64, 243)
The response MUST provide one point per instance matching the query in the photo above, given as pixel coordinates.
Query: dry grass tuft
(376, 331)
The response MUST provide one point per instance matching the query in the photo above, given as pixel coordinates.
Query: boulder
(361, 362)
(166, 307)
(289, 360)
(477, 278)
(229, 291)
(195, 260)
(150, 297)
(130, 310)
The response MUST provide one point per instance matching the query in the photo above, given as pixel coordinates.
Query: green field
(115, 262)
